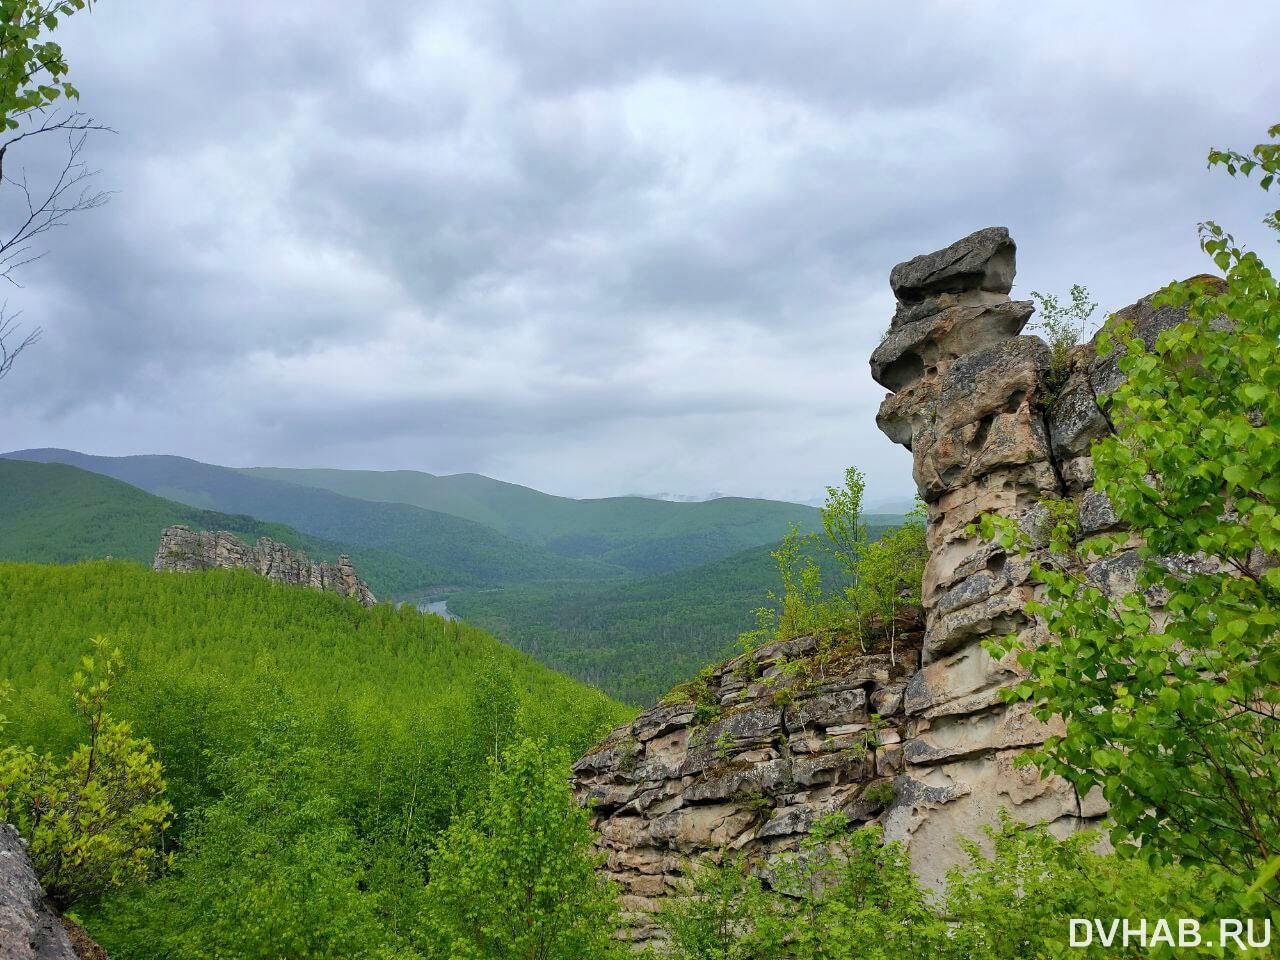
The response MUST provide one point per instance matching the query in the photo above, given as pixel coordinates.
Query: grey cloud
(592, 247)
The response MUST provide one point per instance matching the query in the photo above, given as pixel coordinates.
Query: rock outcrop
(182, 549)
(996, 424)
(29, 927)
(746, 758)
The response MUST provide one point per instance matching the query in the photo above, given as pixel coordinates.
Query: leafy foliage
(516, 877)
(873, 579)
(850, 895)
(33, 71)
(1171, 693)
(93, 820)
(1065, 326)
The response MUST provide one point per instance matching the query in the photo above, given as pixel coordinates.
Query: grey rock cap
(984, 260)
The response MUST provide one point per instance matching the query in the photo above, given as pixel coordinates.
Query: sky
(595, 248)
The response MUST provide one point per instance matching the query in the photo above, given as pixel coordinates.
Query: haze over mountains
(629, 593)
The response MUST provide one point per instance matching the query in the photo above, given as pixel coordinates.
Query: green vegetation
(313, 751)
(851, 896)
(636, 640)
(1171, 693)
(92, 822)
(442, 551)
(516, 877)
(642, 535)
(1064, 327)
(59, 514)
(873, 579)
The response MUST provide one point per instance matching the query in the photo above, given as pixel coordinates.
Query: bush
(516, 877)
(93, 821)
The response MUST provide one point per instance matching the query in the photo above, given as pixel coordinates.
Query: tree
(1171, 693)
(891, 571)
(33, 79)
(93, 821)
(516, 877)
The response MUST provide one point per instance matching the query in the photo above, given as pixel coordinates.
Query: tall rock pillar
(969, 400)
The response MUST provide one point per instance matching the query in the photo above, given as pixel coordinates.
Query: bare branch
(70, 193)
(9, 327)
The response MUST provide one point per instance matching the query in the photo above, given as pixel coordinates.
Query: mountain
(636, 640)
(643, 535)
(445, 550)
(54, 513)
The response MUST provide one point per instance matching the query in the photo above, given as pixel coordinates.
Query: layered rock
(996, 425)
(29, 928)
(182, 549)
(746, 759)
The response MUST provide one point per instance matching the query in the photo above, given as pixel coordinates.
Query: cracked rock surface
(182, 549)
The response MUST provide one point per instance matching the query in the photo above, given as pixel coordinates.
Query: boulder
(984, 261)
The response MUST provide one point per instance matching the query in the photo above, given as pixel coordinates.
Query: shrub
(94, 820)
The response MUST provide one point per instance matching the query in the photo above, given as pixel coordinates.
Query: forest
(214, 766)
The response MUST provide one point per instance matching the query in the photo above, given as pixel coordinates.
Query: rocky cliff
(29, 927)
(183, 549)
(746, 758)
(995, 425)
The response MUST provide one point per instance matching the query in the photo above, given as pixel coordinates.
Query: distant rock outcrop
(29, 927)
(995, 425)
(182, 549)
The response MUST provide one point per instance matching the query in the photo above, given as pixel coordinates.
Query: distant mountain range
(627, 592)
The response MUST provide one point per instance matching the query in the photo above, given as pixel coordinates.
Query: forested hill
(313, 750)
(54, 513)
(643, 535)
(448, 550)
(637, 640)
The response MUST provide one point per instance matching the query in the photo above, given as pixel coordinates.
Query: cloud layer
(596, 248)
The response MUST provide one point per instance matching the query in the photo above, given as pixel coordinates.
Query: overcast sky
(596, 248)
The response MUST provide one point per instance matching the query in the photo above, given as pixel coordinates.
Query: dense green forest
(612, 624)
(448, 551)
(639, 639)
(60, 514)
(643, 535)
(290, 724)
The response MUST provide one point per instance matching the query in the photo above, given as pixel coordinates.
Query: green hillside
(447, 551)
(645, 536)
(313, 750)
(54, 513)
(635, 640)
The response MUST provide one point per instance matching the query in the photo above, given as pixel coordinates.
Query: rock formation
(29, 927)
(995, 425)
(184, 550)
(746, 758)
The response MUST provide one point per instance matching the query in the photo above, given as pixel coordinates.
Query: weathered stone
(912, 349)
(1144, 320)
(828, 710)
(1096, 512)
(29, 927)
(984, 260)
(1075, 419)
(184, 550)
